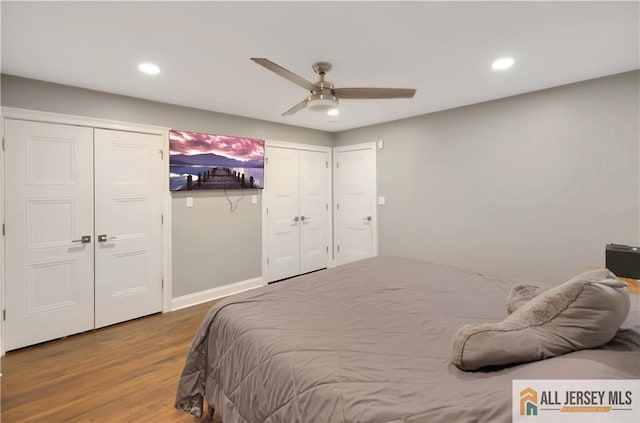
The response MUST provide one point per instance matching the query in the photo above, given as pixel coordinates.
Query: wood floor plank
(124, 373)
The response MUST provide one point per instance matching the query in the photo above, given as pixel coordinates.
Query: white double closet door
(297, 191)
(83, 229)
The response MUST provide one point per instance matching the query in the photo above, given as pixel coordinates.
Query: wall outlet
(189, 201)
(254, 199)
(382, 201)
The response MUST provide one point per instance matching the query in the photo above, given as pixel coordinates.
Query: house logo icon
(528, 402)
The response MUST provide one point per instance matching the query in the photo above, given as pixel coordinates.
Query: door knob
(83, 239)
(368, 218)
(104, 238)
(295, 219)
(305, 217)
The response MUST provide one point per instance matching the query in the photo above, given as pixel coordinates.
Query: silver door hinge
(267, 210)
(326, 207)
(162, 282)
(337, 165)
(266, 160)
(3, 229)
(3, 143)
(161, 154)
(338, 206)
(4, 314)
(327, 248)
(338, 248)
(162, 219)
(267, 260)
(326, 165)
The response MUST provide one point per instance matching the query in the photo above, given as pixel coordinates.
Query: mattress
(368, 341)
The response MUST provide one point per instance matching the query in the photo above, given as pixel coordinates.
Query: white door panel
(296, 197)
(128, 225)
(283, 220)
(313, 210)
(49, 205)
(355, 208)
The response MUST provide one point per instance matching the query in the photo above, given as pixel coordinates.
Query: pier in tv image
(206, 161)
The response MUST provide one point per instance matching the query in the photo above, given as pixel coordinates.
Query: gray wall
(211, 245)
(530, 187)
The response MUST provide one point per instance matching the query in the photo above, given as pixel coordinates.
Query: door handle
(83, 239)
(368, 218)
(104, 238)
(295, 219)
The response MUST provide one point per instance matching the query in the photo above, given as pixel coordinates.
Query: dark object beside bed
(369, 342)
(623, 260)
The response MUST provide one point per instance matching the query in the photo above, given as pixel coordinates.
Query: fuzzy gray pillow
(584, 312)
(520, 295)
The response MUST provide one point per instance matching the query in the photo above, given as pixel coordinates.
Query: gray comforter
(368, 342)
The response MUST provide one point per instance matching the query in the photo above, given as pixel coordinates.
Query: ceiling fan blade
(287, 74)
(356, 93)
(296, 108)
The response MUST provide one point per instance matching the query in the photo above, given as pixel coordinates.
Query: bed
(370, 341)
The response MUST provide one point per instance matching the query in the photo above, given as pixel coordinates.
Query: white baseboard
(214, 293)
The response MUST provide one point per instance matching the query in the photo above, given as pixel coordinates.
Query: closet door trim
(49, 117)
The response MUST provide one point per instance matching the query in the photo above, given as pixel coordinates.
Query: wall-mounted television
(205, 161)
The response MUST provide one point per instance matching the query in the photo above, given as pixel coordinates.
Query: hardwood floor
(123, 373)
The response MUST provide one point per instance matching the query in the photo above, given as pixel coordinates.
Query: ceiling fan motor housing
(322, 100)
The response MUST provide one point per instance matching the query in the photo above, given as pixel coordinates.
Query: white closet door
(128, 225)
(283, 219)
(355, 196)
(49, 209)
(313, 210)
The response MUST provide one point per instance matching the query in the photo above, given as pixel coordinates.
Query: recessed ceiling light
(149, 68)
(333, 112)
(503, 63)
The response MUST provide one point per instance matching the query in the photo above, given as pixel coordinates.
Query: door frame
(263, 223)
(374, 187)
(57, 118)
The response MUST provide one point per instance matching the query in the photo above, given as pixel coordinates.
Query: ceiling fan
(322, 95)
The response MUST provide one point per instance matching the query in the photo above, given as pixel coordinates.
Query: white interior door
(128, 213)
(355, 180)
(49, 209)
(314, 210)
(283, 219)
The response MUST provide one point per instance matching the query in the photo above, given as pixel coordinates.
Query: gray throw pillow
(584, 312)
(520, 295)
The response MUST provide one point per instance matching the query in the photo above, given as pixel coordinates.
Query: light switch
(254, 199)
(382, 201)
(189, 201)
(380, 145)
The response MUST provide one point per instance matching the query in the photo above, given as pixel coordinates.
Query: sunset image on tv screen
(205, 161)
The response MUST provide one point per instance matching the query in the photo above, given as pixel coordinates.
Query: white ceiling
(443, 49)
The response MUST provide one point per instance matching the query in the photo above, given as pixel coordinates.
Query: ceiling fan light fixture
(322, 102)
